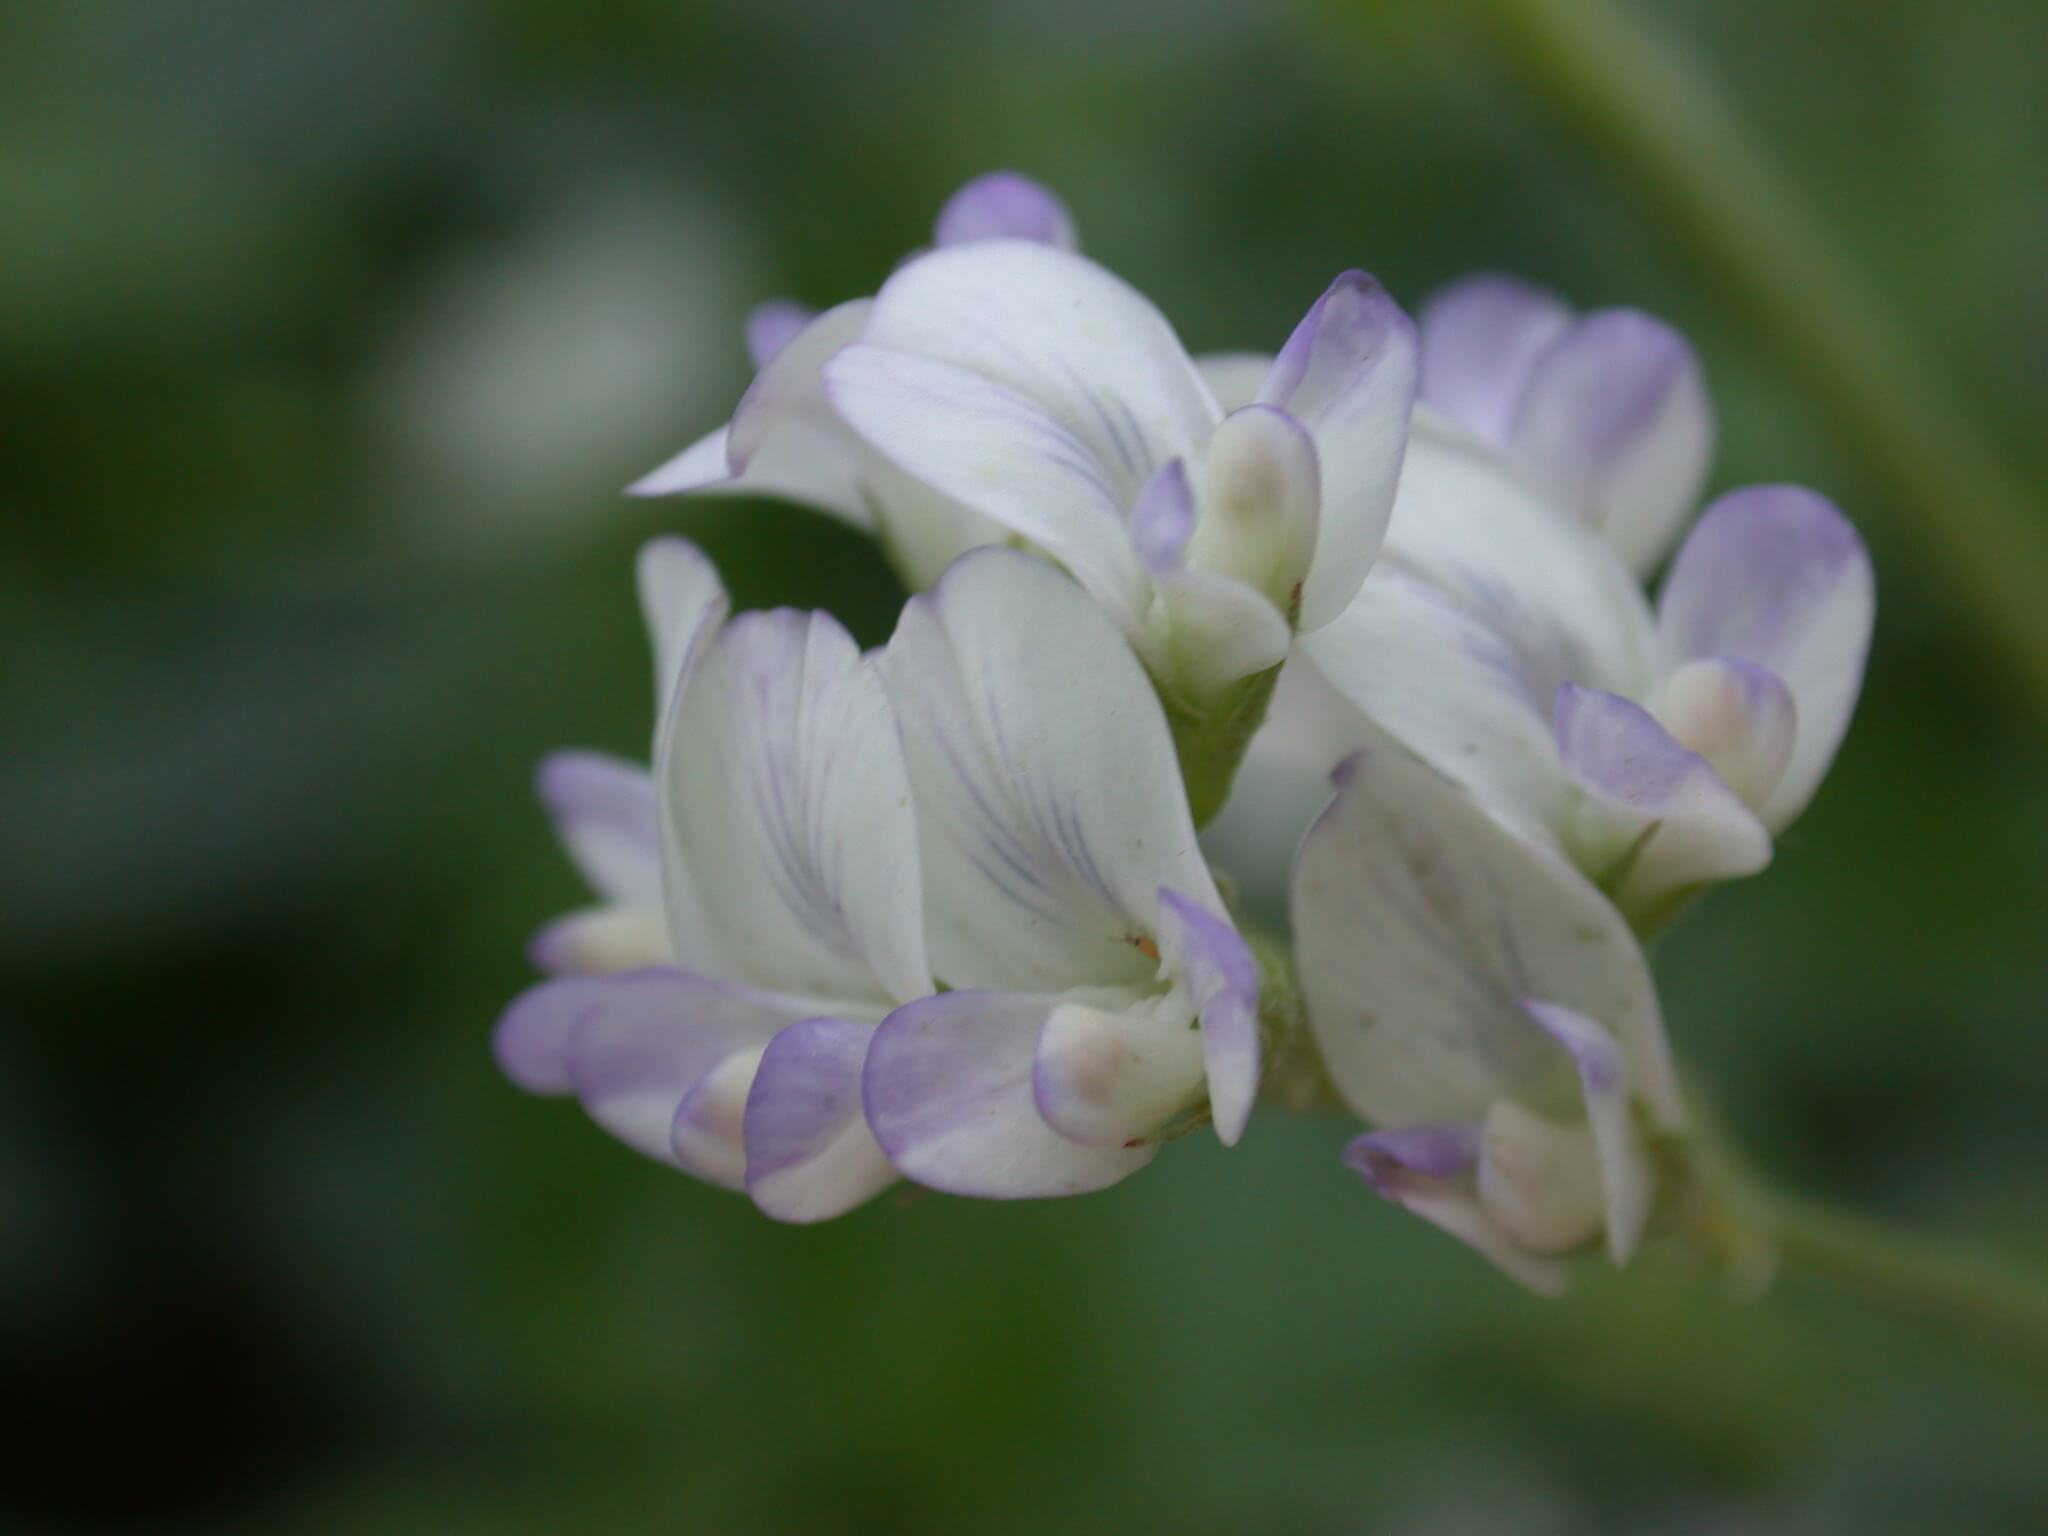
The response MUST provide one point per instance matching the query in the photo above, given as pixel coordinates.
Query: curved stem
(1643, 104)
(1738, 1222)
(1918, 1272)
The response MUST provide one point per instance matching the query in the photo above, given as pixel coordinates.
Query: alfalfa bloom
(1053, 399)
(1489, 1013)
(789, 882)
(820, 861)
(1102, 999)
(1660, 750)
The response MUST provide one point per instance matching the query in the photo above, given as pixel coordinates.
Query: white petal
(1641, 784)
(809, 1153)
(921, 530)
(993, 449)
(1407, 1166)
(1539, 1180)
(1209, 631)
(682, 601)
(789, 392)
(1479, 338)
(1085, 347)
(601, 941)
(1420, 925)
(784, 440)
(1571, 609)
(787, 799)
(948, 1090)
(707, 1132)
(701, 466)
(1615, 420)
(1049, 799)
(1348, 375)
(811, 460)
(1260, 504)
(644, 1042)
(1114, 1078)
(1739, 716)
(1310, 727)
(1484, 603)
(683, 605)
(1626, 1178)
(1433, 677)
(1776, 575)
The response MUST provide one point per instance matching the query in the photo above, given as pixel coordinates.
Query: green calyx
(1211, 738)
(1294, 1077)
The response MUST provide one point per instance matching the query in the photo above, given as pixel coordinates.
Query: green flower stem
(1722, 1211)
(1657, 118)
(1211, 739)
(1919, 1273)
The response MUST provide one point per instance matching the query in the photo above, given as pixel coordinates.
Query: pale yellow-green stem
(2001, 1302)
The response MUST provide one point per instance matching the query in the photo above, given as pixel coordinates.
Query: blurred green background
(328, 331)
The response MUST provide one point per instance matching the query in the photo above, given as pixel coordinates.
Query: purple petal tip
(1426, 1151)
(1594, 1052)
(773, 326)
(531, 1038)
(1163, 518)
(1005, 205)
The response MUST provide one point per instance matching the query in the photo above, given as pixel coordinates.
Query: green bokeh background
(329, 329)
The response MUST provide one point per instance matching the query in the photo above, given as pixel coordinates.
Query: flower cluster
(940, 912)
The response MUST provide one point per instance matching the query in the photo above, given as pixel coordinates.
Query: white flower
(1101, 995)
(1032, 386)
(786, 441)
(790, 882)
(1489, 1013)
(1100, 998)
(1511, 648)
